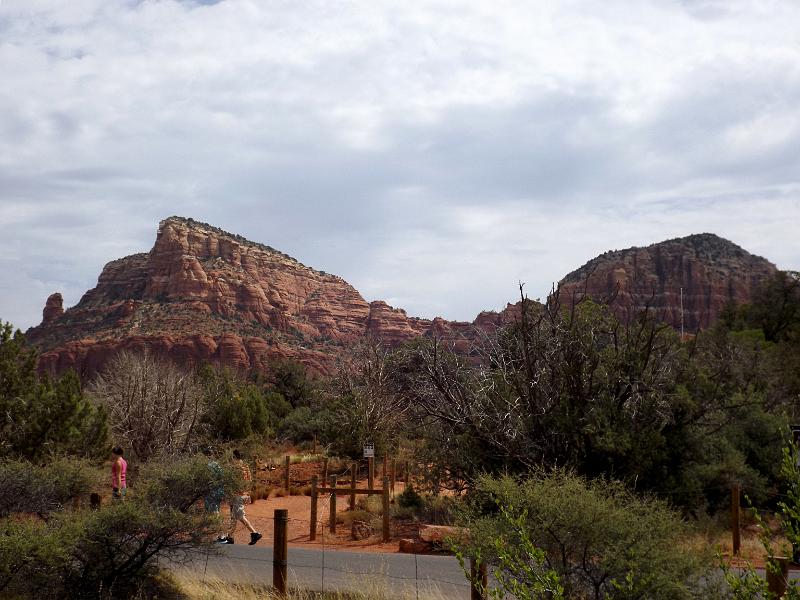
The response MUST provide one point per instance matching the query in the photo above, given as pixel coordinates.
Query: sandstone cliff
(204, 295)
(710, 270)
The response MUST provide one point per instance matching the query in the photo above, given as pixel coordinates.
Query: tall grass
(369, 589)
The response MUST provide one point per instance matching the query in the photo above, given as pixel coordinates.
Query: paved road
(402, 575)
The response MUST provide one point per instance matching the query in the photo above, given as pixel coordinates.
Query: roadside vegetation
(589, 457)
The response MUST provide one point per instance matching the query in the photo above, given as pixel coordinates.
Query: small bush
(370, 504)
(347, 517)
(554, 520)
(260, 492)
(27, 488)
(409, 498)
(295, 491)
(280, 492)
(405, 513)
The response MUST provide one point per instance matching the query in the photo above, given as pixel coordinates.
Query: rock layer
(702, 273)
(202, 295)
(205, 295)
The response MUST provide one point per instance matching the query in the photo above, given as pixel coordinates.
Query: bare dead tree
(546, 385)
(154, 406)
(368, 407)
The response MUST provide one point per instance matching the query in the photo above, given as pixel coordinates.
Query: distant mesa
(702, 273)
(203, 295)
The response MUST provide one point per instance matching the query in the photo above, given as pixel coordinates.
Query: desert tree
(154, 406)
(365, 404)
(40, 416)
(561, 385)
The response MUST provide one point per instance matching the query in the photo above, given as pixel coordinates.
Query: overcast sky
(431, 153)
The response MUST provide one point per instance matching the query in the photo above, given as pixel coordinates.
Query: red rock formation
(710, 270)
(204, 295)
(53, 308)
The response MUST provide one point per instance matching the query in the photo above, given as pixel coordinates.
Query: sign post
(369, 454)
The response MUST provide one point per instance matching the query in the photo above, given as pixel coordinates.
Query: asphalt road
(401, 575)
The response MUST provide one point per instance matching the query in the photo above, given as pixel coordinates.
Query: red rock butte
(685, 281)
(202, 295)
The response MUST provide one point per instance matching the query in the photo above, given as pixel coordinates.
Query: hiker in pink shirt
(119, 468)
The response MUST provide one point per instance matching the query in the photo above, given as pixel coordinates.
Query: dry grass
(347, 517)
(280, 492)
(371, 504)
(373, 588)
(261, 492)
(712, 538)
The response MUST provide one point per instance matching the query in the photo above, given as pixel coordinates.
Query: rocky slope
(205, 295)
(711, 271)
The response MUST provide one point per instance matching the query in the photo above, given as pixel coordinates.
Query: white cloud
(432, 153)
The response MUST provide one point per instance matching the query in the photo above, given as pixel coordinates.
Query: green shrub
(27, 488)
(39, 416)
(409, 498)
(184, 482)
(111, 552)
(633, 544)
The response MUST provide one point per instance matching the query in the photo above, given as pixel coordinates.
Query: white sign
(369, 450)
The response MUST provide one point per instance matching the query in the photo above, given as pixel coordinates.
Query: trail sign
(369, 450)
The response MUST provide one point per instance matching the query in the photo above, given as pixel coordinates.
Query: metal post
(735, 519)
(371, 473)
(280, 551)
(777, 575)
(386, 532)
(353, 477)
(478, 580)
(286, 474)
(333, 504)
(312, 535)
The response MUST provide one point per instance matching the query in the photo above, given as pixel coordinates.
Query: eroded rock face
(202, 295)
(710, 270)
(53, 308)
(205, 295)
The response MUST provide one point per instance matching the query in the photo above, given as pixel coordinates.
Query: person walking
(238, 501)
(216, 492)
(119, 470)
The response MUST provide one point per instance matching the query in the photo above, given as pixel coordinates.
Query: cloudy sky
(431, 153)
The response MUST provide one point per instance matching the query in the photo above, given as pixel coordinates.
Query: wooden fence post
(386, 509)
(735, 518)
(312, 535)
(371, 473)
(333, 504)
(393, 474)
(280, 551)
(777, 575)
(478, 580)
(385, 467)
(353, 481)
(286, 473)
(325, 470)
